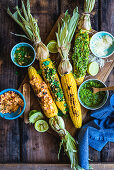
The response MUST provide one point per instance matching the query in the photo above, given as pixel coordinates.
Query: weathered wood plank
(107, 24)
(107, 16)
(94, 155)
(107, 154)
(26, 93)
(70, 5)
(51, 166)
(9, 130)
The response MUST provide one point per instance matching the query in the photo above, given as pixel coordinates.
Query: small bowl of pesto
(23, 55)
(88, 99)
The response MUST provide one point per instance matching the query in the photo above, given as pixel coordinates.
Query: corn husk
(41, 51)
(29, 25)
(64, 67)
(68, 142)
(85, 22)
(64, 37)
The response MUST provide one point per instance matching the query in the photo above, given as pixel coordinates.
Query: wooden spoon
(95, 90)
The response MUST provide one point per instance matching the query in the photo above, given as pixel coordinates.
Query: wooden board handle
(26, 94)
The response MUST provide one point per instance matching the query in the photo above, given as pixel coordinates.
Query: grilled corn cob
(80, 56)
(41, 90)
(64, 37)
(51, 78)
(29, 24)
(71, 95)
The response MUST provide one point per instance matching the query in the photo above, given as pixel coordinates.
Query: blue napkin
(97, 132)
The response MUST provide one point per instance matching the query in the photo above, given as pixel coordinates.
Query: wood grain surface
(26, 94)
(19, 142)
(50, 167)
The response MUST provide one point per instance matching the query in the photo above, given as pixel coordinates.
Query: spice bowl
(18, 113)
(92, 101)
(21, 57)
(94, 40)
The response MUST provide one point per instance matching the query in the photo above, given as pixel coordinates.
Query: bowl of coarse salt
(102, 44)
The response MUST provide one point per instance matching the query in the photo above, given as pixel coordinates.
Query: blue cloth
(97, 132)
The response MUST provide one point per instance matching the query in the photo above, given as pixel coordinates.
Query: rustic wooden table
(20, 143)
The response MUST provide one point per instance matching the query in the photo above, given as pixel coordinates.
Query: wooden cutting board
(32, 102)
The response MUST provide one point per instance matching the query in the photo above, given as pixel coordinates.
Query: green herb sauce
(24, 55)
(88, 97)
(81, 54)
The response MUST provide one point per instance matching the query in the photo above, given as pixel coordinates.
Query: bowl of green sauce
(23, 55)
(90, 100)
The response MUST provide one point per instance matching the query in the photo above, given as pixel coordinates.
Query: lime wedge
(52, 46)
(41, 126)
(34, 115)
(93, 68)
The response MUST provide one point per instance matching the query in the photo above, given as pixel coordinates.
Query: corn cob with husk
(85, 22)
(81, 47)
(68, 142)
(41, 90)
(80, 56)
(29, 25)
(64, 37)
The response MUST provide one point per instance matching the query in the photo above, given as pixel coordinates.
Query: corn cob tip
(30, 67)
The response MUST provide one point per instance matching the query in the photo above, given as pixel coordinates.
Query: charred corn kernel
(51, 78)
(71, 95)
(41, 90)
(81, 55)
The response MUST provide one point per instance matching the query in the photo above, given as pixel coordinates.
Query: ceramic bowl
(13, 115)
(20, 45)
(101, 104)
(97, 36)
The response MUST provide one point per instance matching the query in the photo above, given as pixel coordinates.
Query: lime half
(34, 116)
(52, 46)
(93, 68)
(41, 126)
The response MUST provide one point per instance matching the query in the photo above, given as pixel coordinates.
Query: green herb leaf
(39, 71)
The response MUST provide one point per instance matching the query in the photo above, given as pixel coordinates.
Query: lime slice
(41, 126)
(52, 46)
(34, 116)
(93, 68)
(32, 112)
